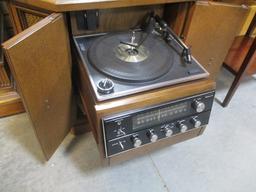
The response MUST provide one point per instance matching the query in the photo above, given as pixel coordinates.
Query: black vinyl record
(151, 60)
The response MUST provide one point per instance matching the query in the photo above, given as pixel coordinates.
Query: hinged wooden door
(212, 30)
(40, 62)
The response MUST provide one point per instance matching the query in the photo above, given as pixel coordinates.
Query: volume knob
(168, 131)
(136, 142)
(197, 123)
(183, 127)
(198, 106)
(152, 136)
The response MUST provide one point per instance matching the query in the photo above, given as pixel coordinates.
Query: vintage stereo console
(141, 88)
(133, 129)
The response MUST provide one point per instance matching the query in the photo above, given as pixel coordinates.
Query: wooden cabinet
(211, 33)
(40, 61)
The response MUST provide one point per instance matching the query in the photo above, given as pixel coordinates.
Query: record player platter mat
(147, 62)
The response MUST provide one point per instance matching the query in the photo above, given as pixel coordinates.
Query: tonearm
(155, 24)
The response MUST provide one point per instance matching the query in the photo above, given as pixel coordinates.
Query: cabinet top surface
(75, 5)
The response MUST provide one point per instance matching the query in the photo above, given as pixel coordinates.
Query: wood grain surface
(4, 79)
(120, 19)
(10, 102)
(237, 54)
(211, 32)
(40, 62)
(75, 5)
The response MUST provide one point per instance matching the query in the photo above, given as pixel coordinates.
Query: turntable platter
(147, 62)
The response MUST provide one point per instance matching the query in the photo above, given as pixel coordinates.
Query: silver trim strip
(127, 113)
(104, 138)
(147, 87)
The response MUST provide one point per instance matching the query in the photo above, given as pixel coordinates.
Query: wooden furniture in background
(237, 53)
(239, 49)
(211, 32)
(241, 59)
(10, 102)
(4, 79)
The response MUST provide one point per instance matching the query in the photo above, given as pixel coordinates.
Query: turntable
(124, 63)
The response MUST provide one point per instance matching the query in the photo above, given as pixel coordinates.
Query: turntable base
(162, 65)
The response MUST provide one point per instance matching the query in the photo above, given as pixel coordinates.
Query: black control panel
(136, 128)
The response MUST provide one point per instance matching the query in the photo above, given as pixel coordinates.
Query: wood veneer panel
(76, 5)
(40, 62)
(120, 19)
(211, 33)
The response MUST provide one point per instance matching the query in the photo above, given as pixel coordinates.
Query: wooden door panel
(40, 61)
(211, 32)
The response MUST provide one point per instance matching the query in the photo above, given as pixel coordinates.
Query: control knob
(105, 86)
(197, 123)
(183, 127)
(198, 106)
(168, 131)
(136, 141)
(152, 136)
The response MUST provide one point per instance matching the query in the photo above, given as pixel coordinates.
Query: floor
(221, 160)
